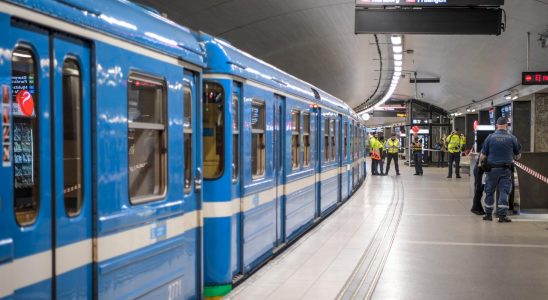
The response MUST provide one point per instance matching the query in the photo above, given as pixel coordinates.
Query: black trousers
(478, 189)
(392, 156)
(381, 165)
(374, 166)
(417, 159)
(454, 157)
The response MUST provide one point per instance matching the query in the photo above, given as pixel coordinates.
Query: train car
(101, 123)
(277, 158)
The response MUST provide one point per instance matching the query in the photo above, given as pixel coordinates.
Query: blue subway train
(141, 159)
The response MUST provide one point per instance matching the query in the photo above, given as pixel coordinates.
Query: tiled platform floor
(441, 250)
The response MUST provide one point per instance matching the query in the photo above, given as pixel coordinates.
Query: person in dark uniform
(383, 155)
(417, 156)
(497, 155)
(478, 190)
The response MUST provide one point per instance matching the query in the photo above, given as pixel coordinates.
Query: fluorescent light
(397, 74)
(514, 98)
(397, 69)
(473, 109)
(396, 39)
(398, 56)
(508, 97)
(397, 49)
(398, 63)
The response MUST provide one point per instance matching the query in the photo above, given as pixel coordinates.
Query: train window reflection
(345, 140)
(26, 159)
(72, 138)
(146, 139)
(213, 130)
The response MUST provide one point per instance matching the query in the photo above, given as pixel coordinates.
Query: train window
(306, 139)
(333, 134)
(345, 140)
(281, 135)
(258, 144)
(72, 138)
(213, 130)
(295, 138)
(146, 138)
(235, 137)
(326, 139)
(26, 159)
(188, 137)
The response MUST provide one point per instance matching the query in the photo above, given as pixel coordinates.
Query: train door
(278, 170)
(193, 176)
(72, 168)
(46, 141)
(340, 156)
(317, 115)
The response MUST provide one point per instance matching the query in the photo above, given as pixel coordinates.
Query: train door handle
(199, 179)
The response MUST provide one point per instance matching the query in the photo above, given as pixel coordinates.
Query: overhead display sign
(429, 3)
(486, 21)
(534, 78)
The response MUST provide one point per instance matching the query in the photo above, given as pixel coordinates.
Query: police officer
(497, 155)
(454, 144)
(392, 148)
(417, 156)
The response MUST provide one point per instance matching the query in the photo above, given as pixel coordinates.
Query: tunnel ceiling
(315, 41)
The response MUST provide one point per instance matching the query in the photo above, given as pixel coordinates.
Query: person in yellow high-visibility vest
(462, 142)
(392, 148)
(374, 146)
(454, 146)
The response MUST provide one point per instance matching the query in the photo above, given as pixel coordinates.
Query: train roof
(124, 20)
(230, 60)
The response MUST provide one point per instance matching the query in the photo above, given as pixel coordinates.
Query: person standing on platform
(417, 156)
(392, 148)
(478, 189)
(375, 155)
(454, 146)
(443, 150)
(382, 153)
(497, 155)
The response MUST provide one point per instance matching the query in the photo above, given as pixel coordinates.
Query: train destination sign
(534, 78)
(429, 3)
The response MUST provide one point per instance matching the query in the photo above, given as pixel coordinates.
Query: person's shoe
(488, 218)
(416, 174)
(449, 176)
(397, 174)
(504, 219)
(458, 176)
(478, 212)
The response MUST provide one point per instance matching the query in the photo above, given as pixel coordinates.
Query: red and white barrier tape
(532, 172)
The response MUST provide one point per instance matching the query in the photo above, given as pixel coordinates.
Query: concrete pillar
(541, 123)
(521, 123)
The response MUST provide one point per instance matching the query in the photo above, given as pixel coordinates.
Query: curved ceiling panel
(315, 41)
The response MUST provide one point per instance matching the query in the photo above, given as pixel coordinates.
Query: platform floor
(409, 237)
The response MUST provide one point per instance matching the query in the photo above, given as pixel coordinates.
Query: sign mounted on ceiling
(429, 3)
(534, 78)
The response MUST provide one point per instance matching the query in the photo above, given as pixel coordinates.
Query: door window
(235, 137)
(306, 139)
(146, 139)
(213, 131)
(295, 138)
(189, 141)
(72, 138)
(26, 159)
(326, 139)
(258, 144)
